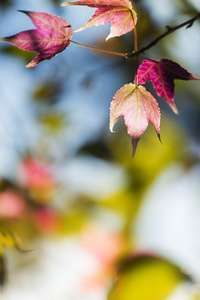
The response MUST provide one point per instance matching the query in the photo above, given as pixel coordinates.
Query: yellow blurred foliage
(146, 278)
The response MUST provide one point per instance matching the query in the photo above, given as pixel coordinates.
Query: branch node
(168, 27)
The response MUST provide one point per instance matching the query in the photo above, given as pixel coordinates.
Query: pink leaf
(35, 174)
(137, 106)
(12, 204)
(119, 13)
(162, 74)
(36, 178)
(46, 219)
(52, 36)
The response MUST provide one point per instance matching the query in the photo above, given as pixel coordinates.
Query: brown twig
(170, 29)
(100, 50)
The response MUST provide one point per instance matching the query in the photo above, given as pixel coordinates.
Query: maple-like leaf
(52, 36)
(118, 12)
(162, 74)
(137, 106)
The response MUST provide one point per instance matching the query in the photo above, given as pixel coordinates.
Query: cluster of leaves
(137, 105)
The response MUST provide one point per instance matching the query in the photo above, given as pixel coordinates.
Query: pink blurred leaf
(52, 36)
(12, 204)
(35, 174)
(162, 74)
(46, 219)
(137, 106)
(36, 177)
(104, 247)
(119, 13)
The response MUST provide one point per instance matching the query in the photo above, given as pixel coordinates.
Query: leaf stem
(135, 47)
(170, 29)
(135, 32)
(135, 39)
(100, 50)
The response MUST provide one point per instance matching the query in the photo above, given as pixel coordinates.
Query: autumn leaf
(162, 74)
(51, 37)
(137, 106)
(117, 12)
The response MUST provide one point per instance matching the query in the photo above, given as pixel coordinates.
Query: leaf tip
(64, 4)
(175, 110)
(159, 137)
(134, 142)
(79, 29)
(31, 65)
(24, 11)
(111, 35)
(111, 125)
(173, 107)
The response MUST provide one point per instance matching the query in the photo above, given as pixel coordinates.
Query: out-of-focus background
(99, 224)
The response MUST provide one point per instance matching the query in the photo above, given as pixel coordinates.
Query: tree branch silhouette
(170, 29)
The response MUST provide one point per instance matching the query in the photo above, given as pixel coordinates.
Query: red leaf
(52, 36)
(119, 13)
(137, 106)
(162, 74)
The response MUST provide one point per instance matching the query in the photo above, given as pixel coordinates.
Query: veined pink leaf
(162, 74)
(137, 106)
(52, 36)
(118, 12)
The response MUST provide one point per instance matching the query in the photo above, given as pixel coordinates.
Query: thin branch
(170, 29)
(100, 50)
